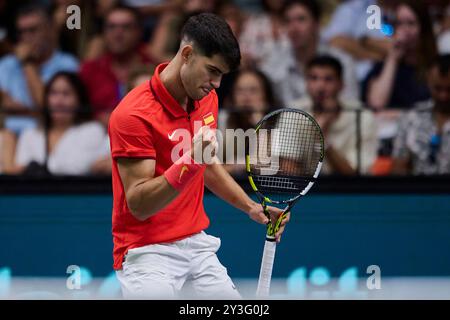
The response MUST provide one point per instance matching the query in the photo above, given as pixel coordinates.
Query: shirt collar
(164, 97)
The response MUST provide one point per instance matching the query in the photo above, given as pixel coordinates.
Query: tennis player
(158, 214)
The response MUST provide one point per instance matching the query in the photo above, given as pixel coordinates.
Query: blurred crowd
(378, 85)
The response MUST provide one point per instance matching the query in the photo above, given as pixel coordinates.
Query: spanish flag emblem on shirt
(208, 119)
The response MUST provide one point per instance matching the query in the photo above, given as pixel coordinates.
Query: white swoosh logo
(171, 135)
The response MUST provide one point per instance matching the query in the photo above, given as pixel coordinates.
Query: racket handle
(265, 274)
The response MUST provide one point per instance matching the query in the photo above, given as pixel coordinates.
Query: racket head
(286, 155)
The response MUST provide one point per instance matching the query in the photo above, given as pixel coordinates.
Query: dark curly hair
(212, 35)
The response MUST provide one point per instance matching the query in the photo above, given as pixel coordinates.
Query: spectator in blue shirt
(34, 61)
(349, 32)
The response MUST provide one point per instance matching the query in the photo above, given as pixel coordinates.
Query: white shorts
(161, 271)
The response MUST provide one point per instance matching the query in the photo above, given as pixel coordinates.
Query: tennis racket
(282, 164)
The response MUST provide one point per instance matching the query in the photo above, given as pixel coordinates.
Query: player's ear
(186, 52)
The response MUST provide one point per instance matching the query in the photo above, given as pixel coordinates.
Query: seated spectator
(399, 81)
(138, 75)
(263, 33)
(232, 14)
(251, 98)
(106, 78)
(148, 10)
(348, 31)
(422, 146)
(103, 164)
(165, 40)
(345, 140)
(95, 46)
(285, 67)
(151, 11)
(67, 142)
(35, 60)
(74, 41)
(152, 8)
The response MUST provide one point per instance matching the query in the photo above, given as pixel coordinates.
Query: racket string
(289, 149)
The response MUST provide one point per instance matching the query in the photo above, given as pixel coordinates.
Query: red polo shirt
(103, 88)
(144, 125)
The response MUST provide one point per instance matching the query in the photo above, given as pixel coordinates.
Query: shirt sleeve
(130, 136)
(70, 64)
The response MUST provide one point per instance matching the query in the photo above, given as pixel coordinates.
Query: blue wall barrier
(404, 234)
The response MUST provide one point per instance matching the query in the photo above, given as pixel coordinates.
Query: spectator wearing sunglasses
(35, 59)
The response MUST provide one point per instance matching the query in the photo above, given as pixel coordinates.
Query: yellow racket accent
(247, 163)
(271, 228)
(250, 179)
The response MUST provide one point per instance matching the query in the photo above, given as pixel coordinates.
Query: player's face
(301, 27)
(440, 89)
(323, 84)
(62, 101)
(200, 74)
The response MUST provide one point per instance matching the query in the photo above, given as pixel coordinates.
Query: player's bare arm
(145, 194)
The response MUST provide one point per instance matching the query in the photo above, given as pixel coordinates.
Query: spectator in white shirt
(349, 148)
(263, 33)
(68, 143)
(286, 66)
